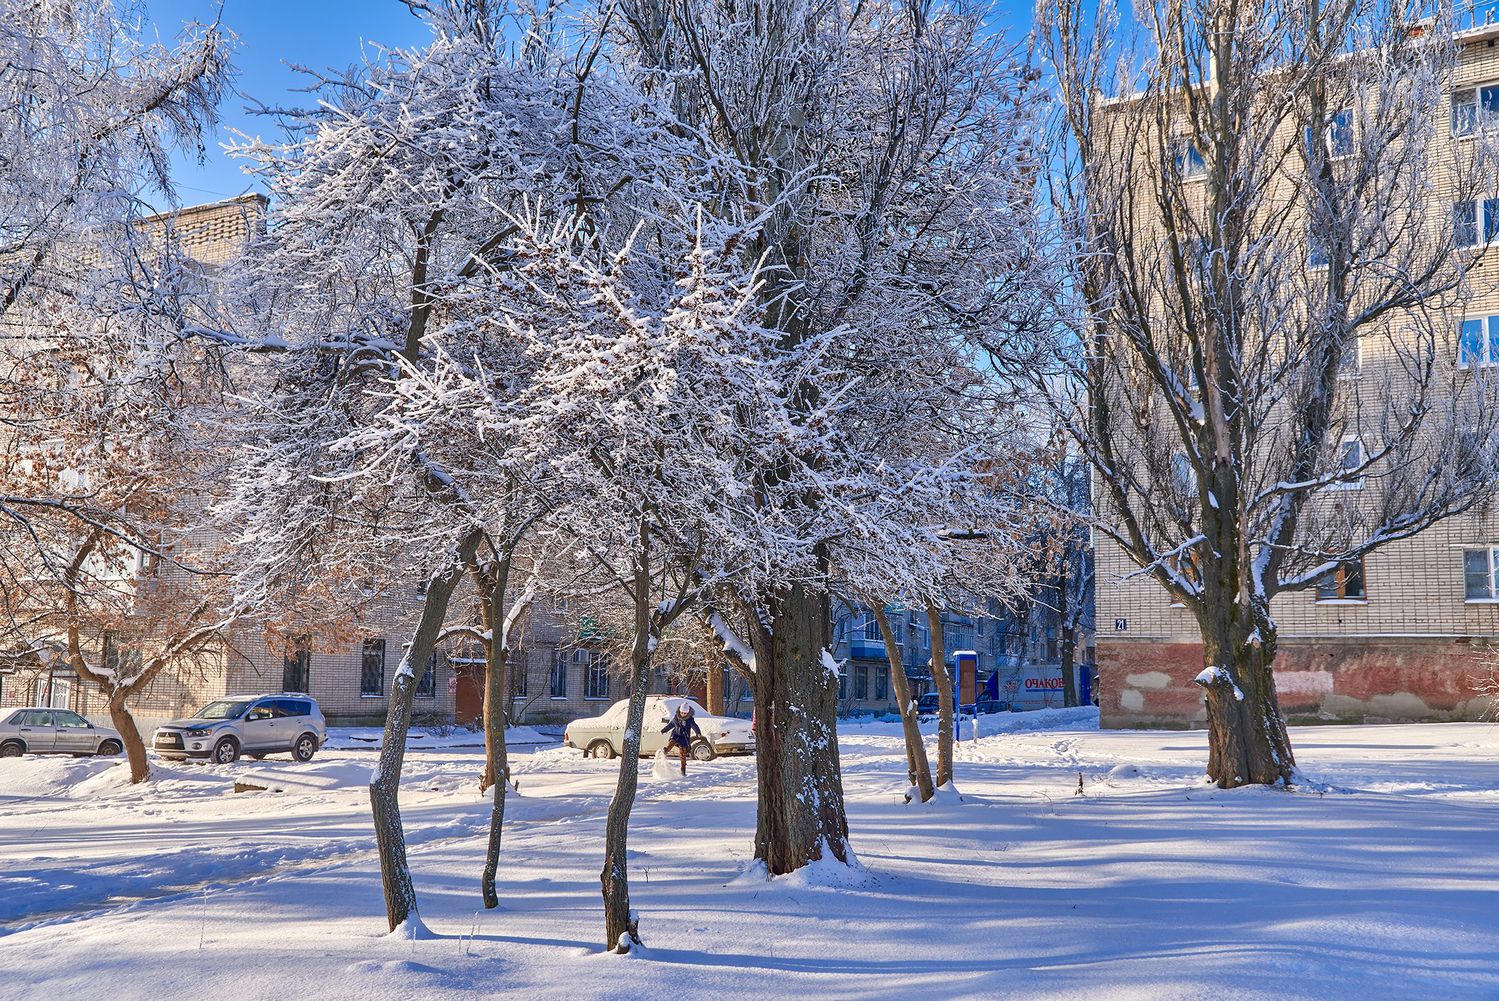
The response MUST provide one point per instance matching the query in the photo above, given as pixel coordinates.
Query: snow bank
(355, 738)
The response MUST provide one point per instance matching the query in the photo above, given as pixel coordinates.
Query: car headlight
(199, 733)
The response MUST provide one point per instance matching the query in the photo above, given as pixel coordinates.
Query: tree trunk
(1247, 739)
(130, 734)
(916, 760)
(714, 686)
(496, 755)
(1069, 669)
(801, 813)
(621, 927)
(947, 710)
(385, 784)
(1067, 641)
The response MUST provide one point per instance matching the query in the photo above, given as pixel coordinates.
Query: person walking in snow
(681, 727)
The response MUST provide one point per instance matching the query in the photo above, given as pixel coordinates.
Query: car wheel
(225, 751)
(304, 748)
(703, 751)
(601, 749)
(110, 748)
(12, 749)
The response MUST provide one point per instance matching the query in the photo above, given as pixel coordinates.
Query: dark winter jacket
(682, 729)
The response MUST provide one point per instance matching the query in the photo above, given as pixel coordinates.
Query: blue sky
(320, 34)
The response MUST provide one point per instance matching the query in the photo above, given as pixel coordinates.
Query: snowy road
(1377, 880)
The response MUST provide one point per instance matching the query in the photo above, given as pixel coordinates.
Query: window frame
(426, 688)
(367, 650)
(558, 674)
(861, 683)
(1363, 457)
(1488, 341)
(1475, 119)
(298, 658)
(1478, 216)
(1188, 160)
(1346, 572)
(596, 670)
(1339, 124)
(1491, 564)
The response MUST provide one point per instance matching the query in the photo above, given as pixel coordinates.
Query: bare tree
(1265, 245)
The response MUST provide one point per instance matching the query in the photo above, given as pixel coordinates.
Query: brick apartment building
(1405, 635)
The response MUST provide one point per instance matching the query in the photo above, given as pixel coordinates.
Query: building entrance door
(468, 698)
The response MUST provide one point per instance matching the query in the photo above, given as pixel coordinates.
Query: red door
(468, 708)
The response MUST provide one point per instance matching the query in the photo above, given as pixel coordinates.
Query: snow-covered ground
(1377, 879)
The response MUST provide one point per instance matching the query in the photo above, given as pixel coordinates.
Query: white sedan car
(604, 736)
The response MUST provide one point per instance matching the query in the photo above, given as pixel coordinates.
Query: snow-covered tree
(1261, 355)
(97, 493)
(370, 303)
(887, 152)
(94, 110)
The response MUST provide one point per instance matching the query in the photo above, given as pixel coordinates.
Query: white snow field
(1379, 878)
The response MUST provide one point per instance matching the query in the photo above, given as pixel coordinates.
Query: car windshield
(222, 709)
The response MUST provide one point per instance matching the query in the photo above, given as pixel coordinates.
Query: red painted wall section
(1150, 684)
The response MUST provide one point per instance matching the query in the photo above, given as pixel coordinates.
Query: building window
(861, 682)
(1473, 347)
(1351, 361)
(1479, 569)
(1474, 108)
(596, 678)
(842, 684)
(296, 666)
(1475, 223)
(1317, 252)
(54, 690)
(882, 684)
(119, 657)
(372, 668)
(1190, 163)
(1351, 458)
(1346, 583)
(1181, 565)
(427, 687)
(559, 675)
(872, 629)
(1337, 134)
(518, 677)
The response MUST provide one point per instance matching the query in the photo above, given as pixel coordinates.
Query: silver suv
(256, 725)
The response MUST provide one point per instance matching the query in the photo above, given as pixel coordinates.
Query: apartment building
(1015, 655)
(1407, 633)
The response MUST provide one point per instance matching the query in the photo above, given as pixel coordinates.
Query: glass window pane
(1340, 133)
(1478, 581)
(1465, 224)
(1493, 345)
(1327, 587)
(1488, 100)
(1353, 454)
(1353, 579)
(1464, 113)
(1470, 343)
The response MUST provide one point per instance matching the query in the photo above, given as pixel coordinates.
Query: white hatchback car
(604, 736)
